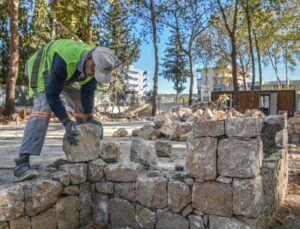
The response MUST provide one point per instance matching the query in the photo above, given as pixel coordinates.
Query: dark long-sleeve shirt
(56, 83)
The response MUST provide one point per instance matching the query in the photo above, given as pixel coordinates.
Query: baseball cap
(104, 62)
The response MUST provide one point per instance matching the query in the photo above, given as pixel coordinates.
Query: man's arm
(87, 92)
(55, 86)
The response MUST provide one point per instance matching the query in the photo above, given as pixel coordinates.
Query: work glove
(71, 131)
(91, 120)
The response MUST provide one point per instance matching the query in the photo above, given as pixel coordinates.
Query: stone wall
(294, 129)
(228, 182)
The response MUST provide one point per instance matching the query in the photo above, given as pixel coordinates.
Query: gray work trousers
(37, 125)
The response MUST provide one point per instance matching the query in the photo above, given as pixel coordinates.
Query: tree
(14, 59)
(174, 66)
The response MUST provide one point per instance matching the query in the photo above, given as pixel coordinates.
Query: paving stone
(45, 220)
(239, 158)
(201, 158)
(208, 128)
(96, 170)
(152, 191)
(243, 127)
(168, 220)
(212, 198)
(145, 218)
(20, 223)
(121, 213)
(122, 171)
(40, 195)
(142, 152)
(11, 201)
(67, 212)
(248, 196)
(179, 195)
(89, 143)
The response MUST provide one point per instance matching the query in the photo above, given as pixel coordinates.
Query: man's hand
(91, 120)
(71, 131)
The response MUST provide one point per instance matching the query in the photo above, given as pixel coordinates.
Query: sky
(146, 63)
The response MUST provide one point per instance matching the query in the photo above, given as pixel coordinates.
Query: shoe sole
(26, 176)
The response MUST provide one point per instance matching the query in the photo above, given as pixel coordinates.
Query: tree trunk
(89, 29)
(53, 19)
(191, 79)
(275, 69)
(155, 77)
(236, 98)
(286, 69)
(258, 59)
(177, 96)
(14, 59)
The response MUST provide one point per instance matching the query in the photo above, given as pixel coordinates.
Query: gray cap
(104, 62)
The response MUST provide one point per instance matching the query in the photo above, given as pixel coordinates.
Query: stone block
(225, 180)
(105, 187)
(100, 209)
(217, 222)
(121, 132)
(168, 220)
(196, 222)
(243, 127)
(71, 190)
(239, 158)
(85, 200)
(126, 190)
(149, 133)
(45, 220)
(96, 170)
(212, 198)
(152, 191)
(77, 172)
(122, 171)
(121, 213)
(295, 139)
(179, 195)
(281, 139)
(297, 128)
(67, 212)
(247, 196)
(142, 152)
(145, 218)
(41, 195)
(201, 158)
(208, 128)
(110, 151)
(163, 148)
(22, 223)
(11, 201)
(61, 176)
(88, 147)
(187, 210)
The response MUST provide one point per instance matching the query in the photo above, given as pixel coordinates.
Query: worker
(68, 68)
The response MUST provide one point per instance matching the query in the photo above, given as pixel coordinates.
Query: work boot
(23, 170)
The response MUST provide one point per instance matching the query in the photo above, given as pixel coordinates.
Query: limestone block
(100, 209)
(217, 222)
(161, 120)
(295, 139)
(121, 213)
(126, 190)
(85, 213)
(11, 201)
(21, 223)
(179, 195)
(208, 128)
(45, 220)
(122, 171)
(167, 128)
(163, 148)
(152, 191)
(225, 180)
(71, 190)
(88, 147)
(61, 176)
(247, 196)
(196, 222)
(281, 139)
(149, 133)
(201, 158)
(96, 170)
(168, 220)
(145, 218)
(187, 210)
(239, 158)
(121, 132)
(41, 195)
(77, 172)
(105, 187)
(142, 152)
(297, 128)
(212, 198)
(110, 151)
(67, 212)
(243, 127)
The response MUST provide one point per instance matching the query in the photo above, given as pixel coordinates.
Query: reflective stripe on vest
(35, 70)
